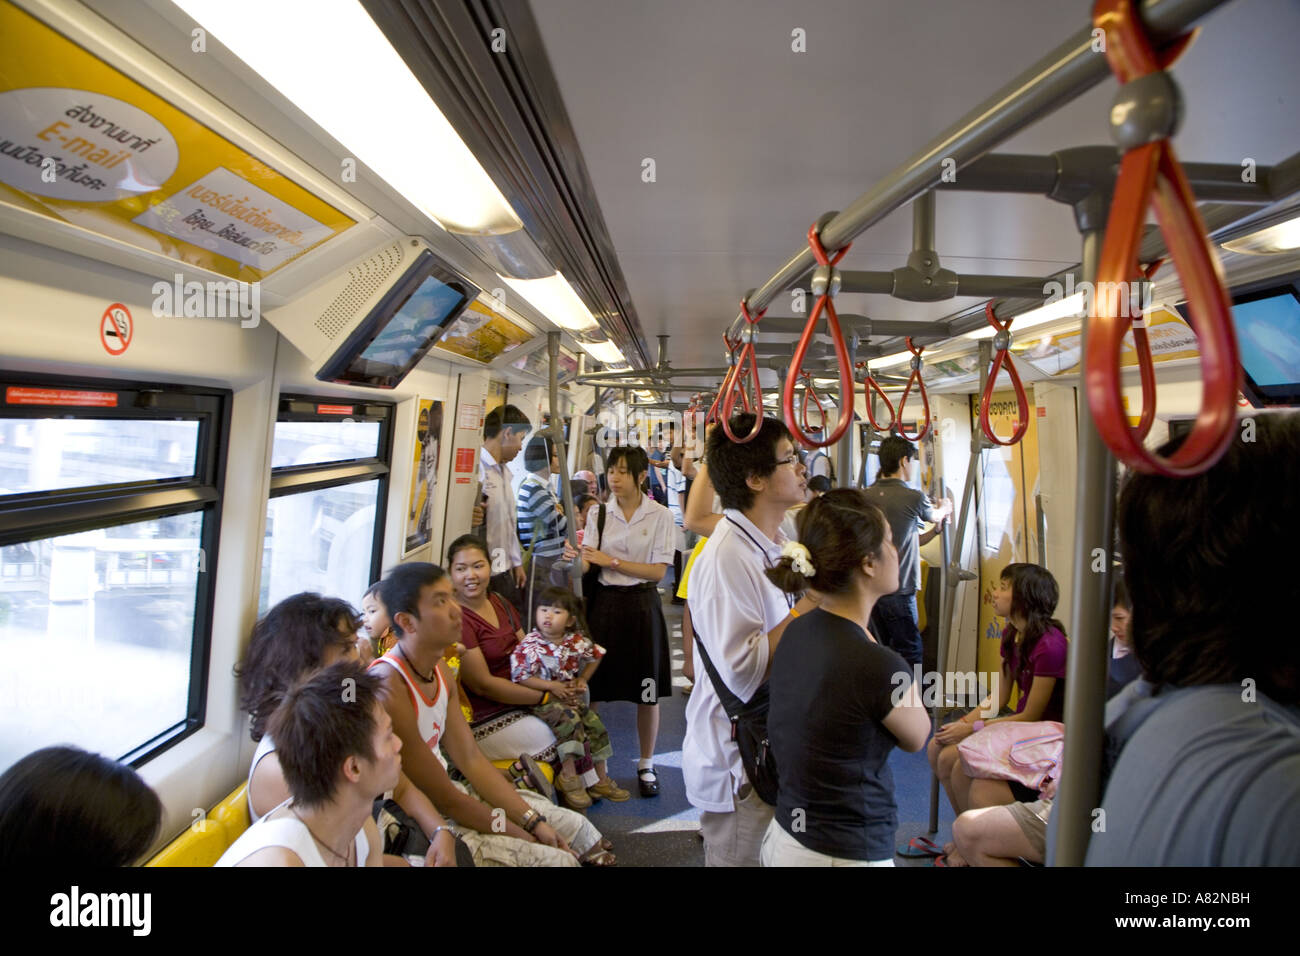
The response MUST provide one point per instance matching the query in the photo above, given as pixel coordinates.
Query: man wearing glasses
(739, 617)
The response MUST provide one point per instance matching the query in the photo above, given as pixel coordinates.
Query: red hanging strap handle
(738, 384)
(1151, 172)
(869, 383)
(1146, 365)
(825, 304)
(712, 415)
(1001, 358)
(810, 392)
(925, 399)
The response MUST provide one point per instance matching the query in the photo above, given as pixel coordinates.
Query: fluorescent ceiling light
(885, 361)
(1067, 308)
(331, 61)
(1283, 237)
(555, 299)
(604, 352)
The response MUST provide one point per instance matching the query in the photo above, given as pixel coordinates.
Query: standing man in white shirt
(504, 430)
(738, 617)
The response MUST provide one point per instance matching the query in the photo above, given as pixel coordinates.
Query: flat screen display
(1268, 337)
(402, 328)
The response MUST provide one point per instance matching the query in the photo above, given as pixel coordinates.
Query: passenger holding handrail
(840, 701)
(894, 620)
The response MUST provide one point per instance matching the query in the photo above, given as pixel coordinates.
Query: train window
(109, 508)
(329, 490)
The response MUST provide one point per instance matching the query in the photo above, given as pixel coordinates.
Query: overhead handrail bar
(1145, 116)
(1001, 357)
(868, 383)
(748, 336)
(827, 279)
(1065, 73)
(925, 399)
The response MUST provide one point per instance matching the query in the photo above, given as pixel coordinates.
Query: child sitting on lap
(557, 658)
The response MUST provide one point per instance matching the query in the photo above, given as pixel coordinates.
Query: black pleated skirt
(629, 624)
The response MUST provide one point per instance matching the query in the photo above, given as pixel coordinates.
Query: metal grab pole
(1056, 79)
(845, 450)
(557, 436)
(1085, 687)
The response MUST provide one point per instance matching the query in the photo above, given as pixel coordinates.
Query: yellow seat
(200, 845)
(204, 842)
(233, 814)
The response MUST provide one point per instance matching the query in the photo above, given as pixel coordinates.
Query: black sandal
(648, 781)
(535, 778)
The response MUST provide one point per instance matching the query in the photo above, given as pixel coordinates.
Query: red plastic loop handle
(825, 304)
(1001, 358)
(1147, 174)
(868, 384)
(712, 415)
(925, 399)
(810, 392)
(1146, 364)
(738, 385)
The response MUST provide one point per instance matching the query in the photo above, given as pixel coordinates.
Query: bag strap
(732, 704)
(600, 527)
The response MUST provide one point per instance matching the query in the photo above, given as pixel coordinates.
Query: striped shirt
(537, 508)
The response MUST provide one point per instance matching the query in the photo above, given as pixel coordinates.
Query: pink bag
(1028, 753)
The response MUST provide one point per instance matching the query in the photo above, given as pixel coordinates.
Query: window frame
(297, 479)
(52, 513)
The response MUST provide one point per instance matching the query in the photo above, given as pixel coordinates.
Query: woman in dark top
(840, 702)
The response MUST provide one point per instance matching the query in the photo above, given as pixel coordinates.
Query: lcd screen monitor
(1268, 337)
(402, 328)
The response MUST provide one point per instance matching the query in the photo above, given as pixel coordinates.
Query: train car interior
(266, 268)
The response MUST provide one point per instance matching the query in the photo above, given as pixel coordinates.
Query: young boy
(557, 658)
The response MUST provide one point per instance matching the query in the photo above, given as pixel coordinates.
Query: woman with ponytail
(840, 701)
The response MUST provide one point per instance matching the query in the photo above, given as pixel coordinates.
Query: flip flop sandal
(598, 856)
(918, 847)
(536, 779)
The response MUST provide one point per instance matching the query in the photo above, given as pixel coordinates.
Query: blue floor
(663, 830)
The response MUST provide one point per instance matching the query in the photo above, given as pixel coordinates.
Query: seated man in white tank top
(504, 826)
(337, 750)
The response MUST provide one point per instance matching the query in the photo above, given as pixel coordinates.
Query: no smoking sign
(116, 327)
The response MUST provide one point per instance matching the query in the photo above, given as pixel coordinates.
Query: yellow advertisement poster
(83, 143)
(1170, 338)
(1008, 527)
(424, 475)
(482, 335)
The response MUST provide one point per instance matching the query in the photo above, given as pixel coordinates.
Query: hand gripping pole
(1145, 115)
(827, 277)
(868, 384)
(925, 399)
(1002, 355)
(737, 384)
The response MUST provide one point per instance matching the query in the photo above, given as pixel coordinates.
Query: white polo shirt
(502, 535)
(733, 606)
(648, 538)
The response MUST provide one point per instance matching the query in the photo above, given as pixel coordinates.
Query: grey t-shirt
(905, 508)
(1206, 780)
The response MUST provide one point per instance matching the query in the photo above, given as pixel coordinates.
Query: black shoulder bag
(748, 729)
(591, 577)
